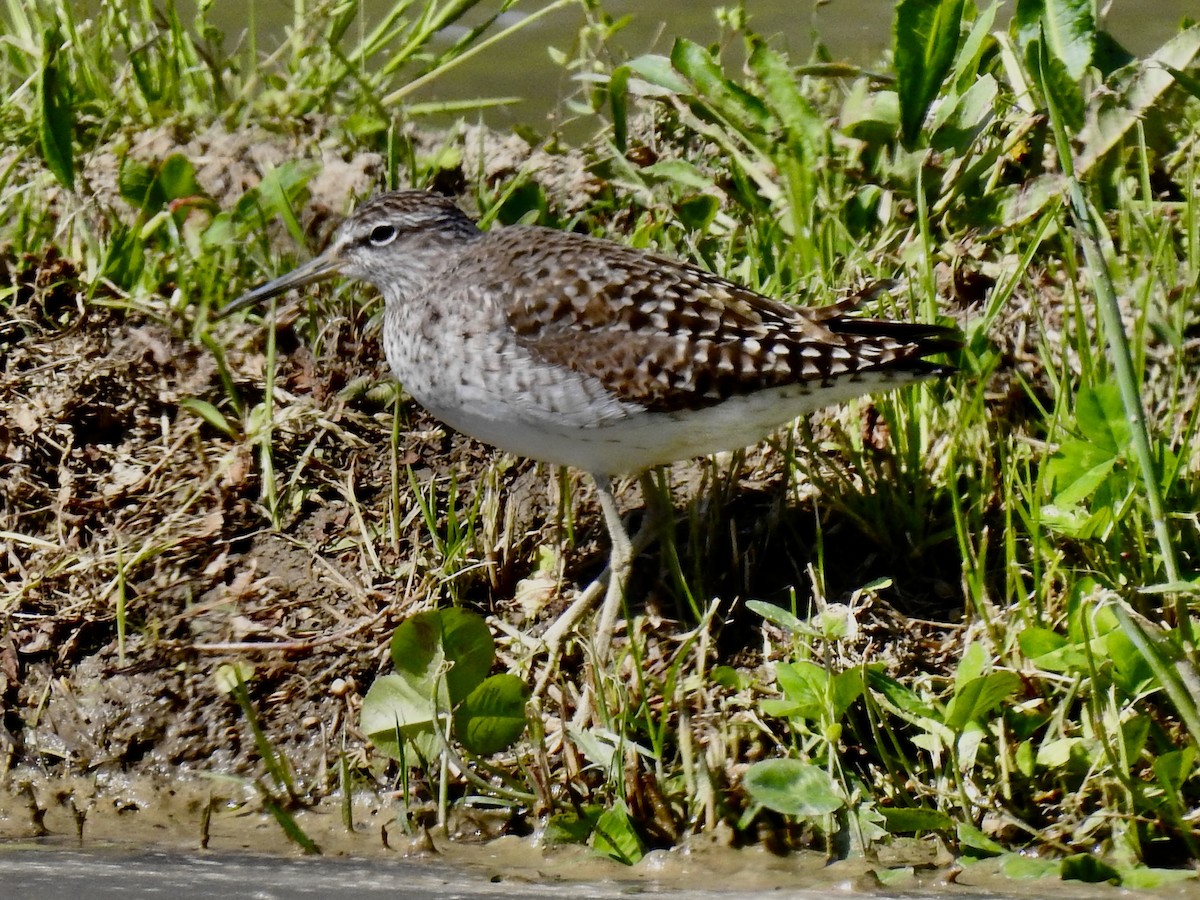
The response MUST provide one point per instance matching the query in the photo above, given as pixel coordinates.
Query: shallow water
(854, 31)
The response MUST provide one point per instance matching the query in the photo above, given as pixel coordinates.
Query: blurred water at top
(854, 31)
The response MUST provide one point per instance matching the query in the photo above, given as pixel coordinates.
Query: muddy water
(133, 848)
(93, 836)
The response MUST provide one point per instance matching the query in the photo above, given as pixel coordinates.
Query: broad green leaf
(392, 710)
(1057, 753)
(1051, 651)
(974, 663)
(908, 821)
(847, 687)
(728, 677)
(492, 716)
(657, 70)
(417, 652)
(177, 176)
(1069, 27)
(453, 644)
(1076, 470)
(1150, 84)
(1075, 521)
(616, 836)
(681, 172)
(57, 123)
(792, 787)
(1100, 416)
(735, 104)
(925, 36)
(470, 649)
(697, 212)
(871, 116)
(975, 699)
(1035, 641)
(1130, 669)
(892, 877)
(1175, 767)
(803, 684)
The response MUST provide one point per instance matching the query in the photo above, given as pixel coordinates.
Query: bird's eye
(383, 234)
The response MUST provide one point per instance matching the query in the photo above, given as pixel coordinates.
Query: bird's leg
(620, 563)
(612, 582)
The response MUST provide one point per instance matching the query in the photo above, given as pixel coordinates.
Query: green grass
(961, 611)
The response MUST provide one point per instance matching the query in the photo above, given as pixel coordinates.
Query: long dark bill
(317, 269)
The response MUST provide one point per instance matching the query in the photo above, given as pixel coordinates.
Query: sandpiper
(582, 352)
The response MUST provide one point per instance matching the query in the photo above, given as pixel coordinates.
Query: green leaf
(1018, 866)
(1050, 651)
(728, 677)
(975, 840)
(470, 649)
(903, 698)
(657, 70)
(870, 116)
(618, 99)
(847, 687)
(1175, 767)
(453, 643)
(974, 663)
(209, 414)
(1130, 669)
(57, 123)
(792, 787)
(803, 684)
(1076, 471)
(680, 172)
(492, 716)
(925, 36)
(778, 616)
(1068, 27)
(394, 709)
(573, 826)
(1101, 418)
(735, 104)
(909, 821)
(1144, 878)
(783, 94)
(978, 697)
(697, 212)
(1060, 91)
(1057, 754)
(1035, 641)
(417, 652)
(1088, 868)
(616, 837)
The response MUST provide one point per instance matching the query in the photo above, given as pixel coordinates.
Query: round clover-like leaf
(493, 715)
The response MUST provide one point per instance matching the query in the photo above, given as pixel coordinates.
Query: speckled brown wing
(670, 336)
